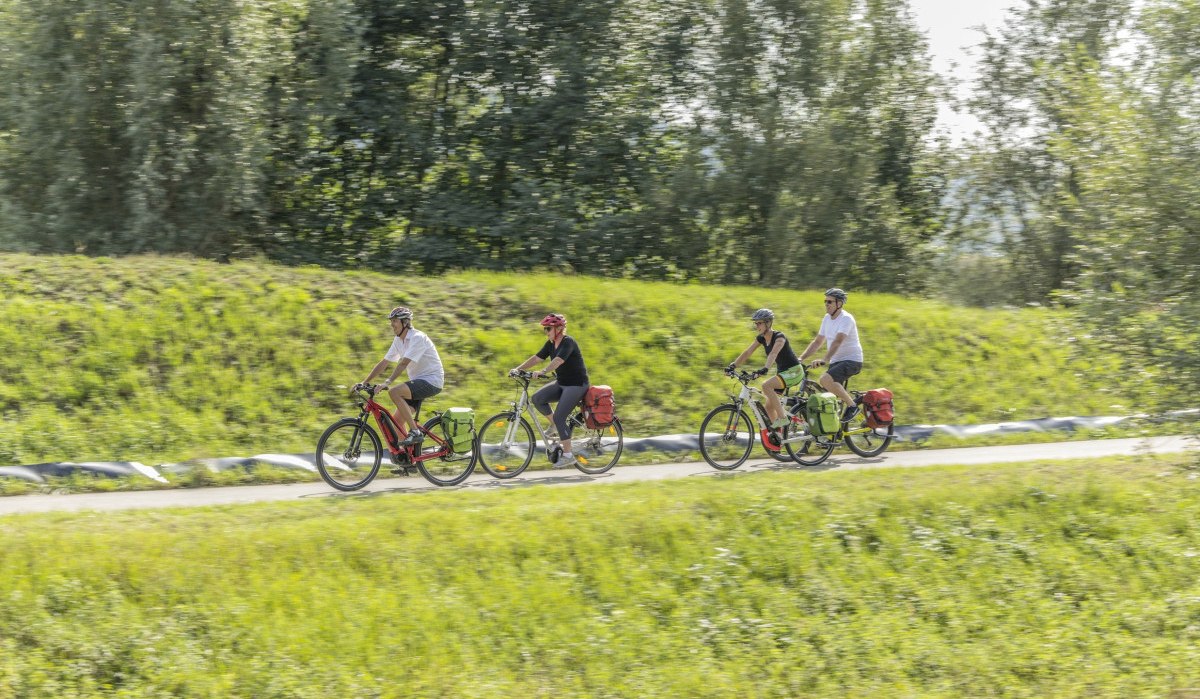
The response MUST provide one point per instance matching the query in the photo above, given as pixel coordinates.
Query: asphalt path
(841, 460)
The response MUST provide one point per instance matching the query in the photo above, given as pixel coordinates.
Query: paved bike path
(482, 482)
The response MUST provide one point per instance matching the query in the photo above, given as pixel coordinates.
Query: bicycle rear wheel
(340, 458)
(597, 450)
(502, 457)
(448, 468)
(865, 441)
(726, 437)
(807, 453)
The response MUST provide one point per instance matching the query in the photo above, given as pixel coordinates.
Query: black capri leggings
(567, 396)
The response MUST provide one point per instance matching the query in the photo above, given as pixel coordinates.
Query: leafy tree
(1014, 184)
(1134, 143)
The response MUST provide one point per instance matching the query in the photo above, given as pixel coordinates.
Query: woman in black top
(572, 383)
(779, 352)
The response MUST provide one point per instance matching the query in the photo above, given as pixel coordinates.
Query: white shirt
(850, 349)
(424, 362)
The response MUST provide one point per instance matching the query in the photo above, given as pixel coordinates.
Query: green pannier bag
(460, 429)
(823, 413)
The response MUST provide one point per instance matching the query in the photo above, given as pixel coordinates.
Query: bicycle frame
(393, 432)
(522, 404)
(810, 386)
(752, 397)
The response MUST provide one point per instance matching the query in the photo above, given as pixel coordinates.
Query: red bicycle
(346, 463)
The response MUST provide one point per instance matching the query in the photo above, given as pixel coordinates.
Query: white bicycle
(506, 444)
(726, 438)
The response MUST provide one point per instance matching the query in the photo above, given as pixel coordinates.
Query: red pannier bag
(878, 404)
(598, 407)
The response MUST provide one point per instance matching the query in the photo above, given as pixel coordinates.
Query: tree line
(732, 140)
(779, 142)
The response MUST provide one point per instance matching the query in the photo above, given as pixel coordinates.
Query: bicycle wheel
(597, 450)
(340, 458)
(865, 441)
(726, 437)
(449, 468)
(505, 458)
(808, 453)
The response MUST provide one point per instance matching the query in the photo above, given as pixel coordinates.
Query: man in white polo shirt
(844, 354)
(412, 350)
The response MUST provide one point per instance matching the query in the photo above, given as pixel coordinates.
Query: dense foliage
(666, 139)
(776, 142)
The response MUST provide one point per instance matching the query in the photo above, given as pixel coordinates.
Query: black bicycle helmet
(763, 314)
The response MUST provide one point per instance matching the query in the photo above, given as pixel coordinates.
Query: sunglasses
(829, 303)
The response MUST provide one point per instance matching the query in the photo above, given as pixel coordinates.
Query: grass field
(164, 359)
(1040, 580)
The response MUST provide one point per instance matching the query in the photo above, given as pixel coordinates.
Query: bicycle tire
(346, 473)
(807, 453)
(502, 460)
(867, 444)
(449, 468)
(722, 448)
(596, 445)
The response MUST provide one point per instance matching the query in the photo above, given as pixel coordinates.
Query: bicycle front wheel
(500, 455)
(866, 441)
(341, 459)
(726, 437)
(448, 468)
(806, 453)
(598, 450)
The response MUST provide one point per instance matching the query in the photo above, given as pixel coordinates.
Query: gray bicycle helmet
(401, 312)
(763, 314)
(836, 293)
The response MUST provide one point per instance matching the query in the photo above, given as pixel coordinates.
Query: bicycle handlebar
(368, 388)
(744, 376)
(522, 375)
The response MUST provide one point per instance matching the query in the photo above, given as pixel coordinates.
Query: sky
(951, 28)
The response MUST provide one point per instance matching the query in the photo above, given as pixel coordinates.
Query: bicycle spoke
(725, 438)
(341, 460)
(506, 445)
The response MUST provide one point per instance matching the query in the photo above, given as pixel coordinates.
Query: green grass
(164, 359)
(1043, 580)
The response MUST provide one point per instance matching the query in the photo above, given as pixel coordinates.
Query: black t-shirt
(787, 358)
(572, 372)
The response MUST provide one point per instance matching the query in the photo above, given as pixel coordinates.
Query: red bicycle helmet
(554, 320)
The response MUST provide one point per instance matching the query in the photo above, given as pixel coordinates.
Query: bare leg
(404, 416)
(773, 401)
(836, 389)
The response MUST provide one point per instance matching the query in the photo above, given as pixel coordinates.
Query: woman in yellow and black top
(779, 352)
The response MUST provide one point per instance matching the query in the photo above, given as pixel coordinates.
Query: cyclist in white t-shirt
(844, 353)
(411, 350)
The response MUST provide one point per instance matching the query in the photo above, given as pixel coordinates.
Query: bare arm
(532, 361)
(833, 346)
(812, 346)
(400, 367)
(745, 355)
(775, 350)
(378, 369)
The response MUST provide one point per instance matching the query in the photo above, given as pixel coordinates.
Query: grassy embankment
(1040, 580)
(160, 359)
